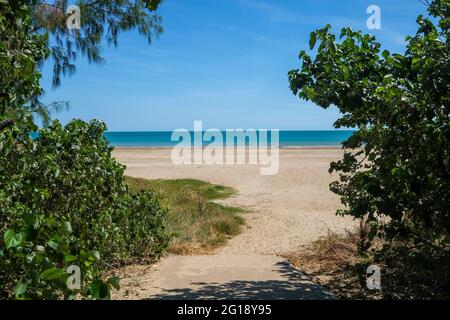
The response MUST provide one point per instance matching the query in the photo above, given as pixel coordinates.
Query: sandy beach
(286, 210)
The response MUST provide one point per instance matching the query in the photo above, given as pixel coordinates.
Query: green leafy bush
(21, 52)
(64, 201)
(396, 169)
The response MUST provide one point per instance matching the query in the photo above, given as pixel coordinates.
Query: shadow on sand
(292, 286)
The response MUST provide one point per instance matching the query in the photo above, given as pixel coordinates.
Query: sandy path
(286, 211)
(221, 276)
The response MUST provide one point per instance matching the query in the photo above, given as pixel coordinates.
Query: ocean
(286, 138)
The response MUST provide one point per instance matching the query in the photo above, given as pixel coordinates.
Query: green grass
(196, 223)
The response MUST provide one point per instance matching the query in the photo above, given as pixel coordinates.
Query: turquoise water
(286, 138)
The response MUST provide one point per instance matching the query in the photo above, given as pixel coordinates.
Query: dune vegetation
(195, 222)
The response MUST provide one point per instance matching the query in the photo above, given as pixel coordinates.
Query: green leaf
(12, 239)
(54, 274)
(8, 238)
(69, 258)
(35, 276)
(95, 255)
(372, 234)
(30, 219)
(20, 288)
(114, 282)
(67, 228)
(53, 244)
(312, 40)
(100, 290)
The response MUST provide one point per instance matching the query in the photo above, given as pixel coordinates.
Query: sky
(224, 62)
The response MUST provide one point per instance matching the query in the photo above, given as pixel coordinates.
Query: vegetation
(101, 20)
(195, 223)
(395, 173)
(63, 202)
(21, 50)
(334, 262)
(31, 31)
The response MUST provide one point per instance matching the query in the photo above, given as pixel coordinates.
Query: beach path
(221, 276)
(285, 212)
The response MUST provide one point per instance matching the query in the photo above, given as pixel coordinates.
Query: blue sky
(221, 61)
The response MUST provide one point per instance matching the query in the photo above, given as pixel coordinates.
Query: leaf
(29, 219)
(54, 274)
(53, 244)
(100, 290)
(312, 40)
(20, 288)
(12, 239)
(8, 238)
(35, 276)
(67, 228)
(372, 234)
(69, 258)
(114, 282)
(95, 255)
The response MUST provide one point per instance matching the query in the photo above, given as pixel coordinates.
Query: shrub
(64, 201)
(396, 169)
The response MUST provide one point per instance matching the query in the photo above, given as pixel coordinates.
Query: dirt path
(286, 211)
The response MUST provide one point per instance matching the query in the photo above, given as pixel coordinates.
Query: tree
(100, 20)
(64, 201)
(395, 172)
(21, 50)
(32, 31)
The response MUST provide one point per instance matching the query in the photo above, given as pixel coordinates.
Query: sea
(286, 138)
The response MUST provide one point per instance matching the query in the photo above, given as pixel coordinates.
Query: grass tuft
(197, 224)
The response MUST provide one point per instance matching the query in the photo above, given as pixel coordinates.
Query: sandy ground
(221, 277)
(287, 210)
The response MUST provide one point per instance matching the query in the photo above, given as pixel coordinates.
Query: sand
(286, 211)
(220, 277)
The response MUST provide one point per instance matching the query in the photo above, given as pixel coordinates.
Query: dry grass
(333, 262)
